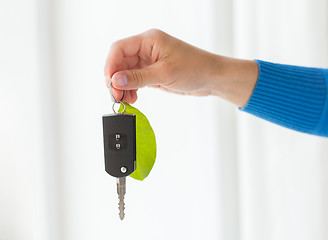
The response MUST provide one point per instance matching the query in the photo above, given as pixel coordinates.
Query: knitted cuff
(291, 96)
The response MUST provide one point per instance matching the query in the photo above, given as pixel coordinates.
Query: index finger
(120, 50)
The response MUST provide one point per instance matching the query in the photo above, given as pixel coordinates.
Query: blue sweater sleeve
(291, 96)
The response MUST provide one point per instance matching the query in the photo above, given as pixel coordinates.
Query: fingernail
(120, 80)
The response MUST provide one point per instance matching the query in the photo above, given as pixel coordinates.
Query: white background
(219, 173)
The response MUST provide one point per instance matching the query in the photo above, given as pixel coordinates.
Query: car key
(119, 132)
(120, 150)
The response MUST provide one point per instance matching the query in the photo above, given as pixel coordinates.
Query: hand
(159, 60)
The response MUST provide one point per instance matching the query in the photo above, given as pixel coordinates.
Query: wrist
(233, 79)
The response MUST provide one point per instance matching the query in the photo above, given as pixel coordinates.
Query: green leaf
(145, 143)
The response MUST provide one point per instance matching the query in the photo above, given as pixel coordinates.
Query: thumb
(135, 78)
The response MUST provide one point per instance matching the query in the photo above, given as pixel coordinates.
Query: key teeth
(121, 208)
(121, 186)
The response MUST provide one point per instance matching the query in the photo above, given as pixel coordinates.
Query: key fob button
(118, 137)
(117, 141)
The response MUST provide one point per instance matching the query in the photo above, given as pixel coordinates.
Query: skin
(156, 59)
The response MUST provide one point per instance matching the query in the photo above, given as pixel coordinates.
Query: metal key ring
(111, 93)
(113, 107)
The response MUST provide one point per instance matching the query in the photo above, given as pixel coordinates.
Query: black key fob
(119, 144)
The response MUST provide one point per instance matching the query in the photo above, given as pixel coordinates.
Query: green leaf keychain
(145, 143)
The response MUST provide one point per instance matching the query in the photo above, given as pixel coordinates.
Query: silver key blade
(121, 189)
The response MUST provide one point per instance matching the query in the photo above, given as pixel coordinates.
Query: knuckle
(116, 44)
(155, 33)
(138, 77)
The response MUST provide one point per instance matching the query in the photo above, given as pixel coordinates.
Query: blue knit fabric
(291, 96)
